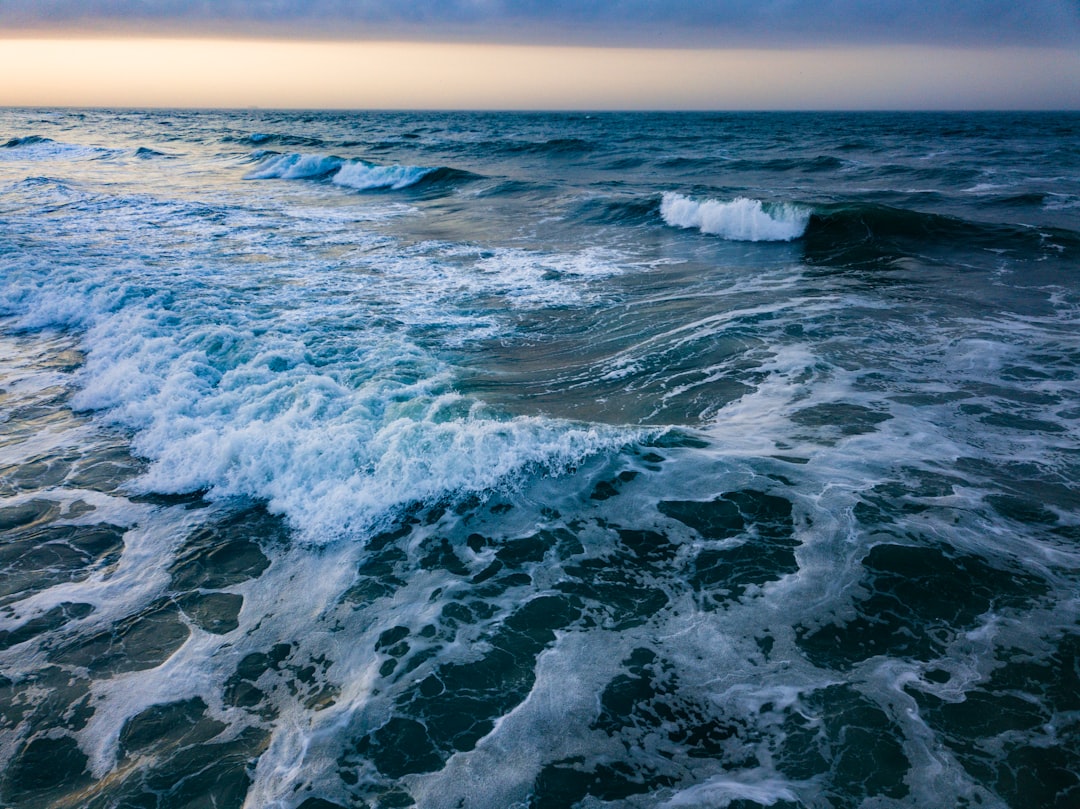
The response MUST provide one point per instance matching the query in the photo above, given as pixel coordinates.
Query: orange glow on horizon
(401, 75)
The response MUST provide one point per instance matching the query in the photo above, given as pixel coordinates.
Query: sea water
(539, 460)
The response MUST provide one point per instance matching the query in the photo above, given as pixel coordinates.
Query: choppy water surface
(486, 460)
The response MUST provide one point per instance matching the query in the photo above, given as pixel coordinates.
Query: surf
(354, 173)
(740, 219)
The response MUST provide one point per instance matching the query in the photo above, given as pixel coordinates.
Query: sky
(543, 54)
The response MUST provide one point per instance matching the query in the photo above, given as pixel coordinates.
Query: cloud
(672, 23)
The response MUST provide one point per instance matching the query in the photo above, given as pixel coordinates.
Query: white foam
(530, 278)
(305, 371)
(365, 176)
(550, 724)
(741, 219)
(352, 173)
(295, 166)
(332, 474)
(36, 149)
(322, 404)
(1060, 202)
(759, 787)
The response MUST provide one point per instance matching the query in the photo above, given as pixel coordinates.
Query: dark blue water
(511, 460)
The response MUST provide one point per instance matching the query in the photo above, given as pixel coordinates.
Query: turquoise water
(493, 460)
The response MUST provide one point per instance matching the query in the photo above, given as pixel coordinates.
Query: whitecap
(742, 219)
(295, 166)
(349, 173)
(35, 148)
(366, 176)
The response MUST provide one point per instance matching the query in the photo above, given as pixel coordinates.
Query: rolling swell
(274, 139)
(445, 175)
(848, 235)
(821, 163)
(39, 148)
(633, 211)
(29, 140)
(146, 153)
(552, 146)
(867, 235)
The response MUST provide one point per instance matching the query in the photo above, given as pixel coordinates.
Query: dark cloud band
(718, 23)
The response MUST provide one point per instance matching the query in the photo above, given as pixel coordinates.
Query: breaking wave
(146, 153)
(350, 173)
(38, 148)
(741, 219)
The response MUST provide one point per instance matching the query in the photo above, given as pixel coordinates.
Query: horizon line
(587, 111)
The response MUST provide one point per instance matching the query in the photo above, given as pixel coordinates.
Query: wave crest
(295, 166)
(349, 172)
(363, 176)
(39, 148)
(741, 219)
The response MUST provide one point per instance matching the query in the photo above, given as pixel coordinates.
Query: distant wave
(552, 147)
(351, 173)
(555, 146)
(781, 164)
(1018, 200)
(37, 148)
(29, 140)
(44, 191)
(819, 163)
(145, 153)
(274, 139)
(625, 163)
(741, 219)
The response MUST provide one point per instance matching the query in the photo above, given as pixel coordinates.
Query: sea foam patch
(530, 279)
(334, 417)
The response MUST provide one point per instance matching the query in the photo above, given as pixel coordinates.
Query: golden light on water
(395, 75)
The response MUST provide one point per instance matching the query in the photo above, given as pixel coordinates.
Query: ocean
(387, 459)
